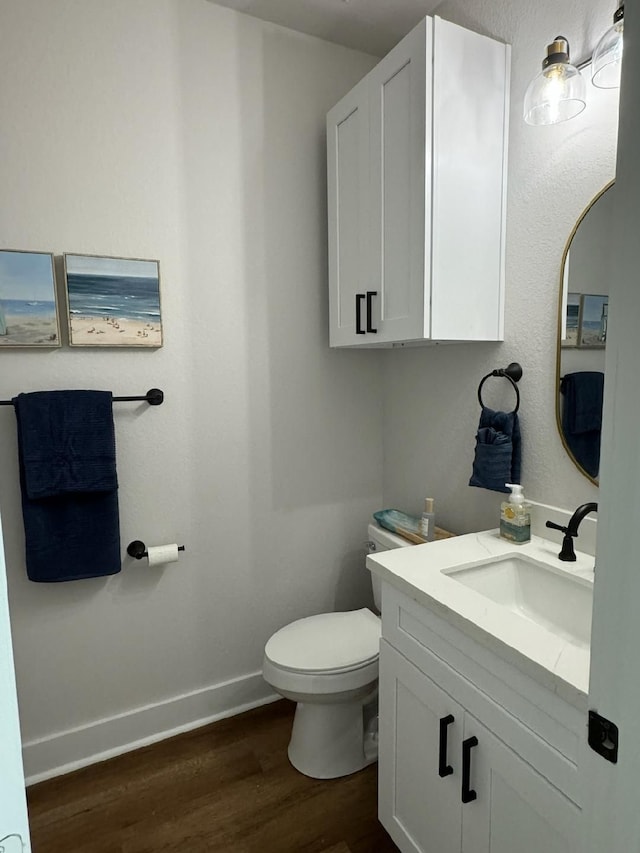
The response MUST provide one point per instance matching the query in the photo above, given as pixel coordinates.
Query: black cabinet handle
(370, 295)
(468, 794)
(359, 329)
(444, 769)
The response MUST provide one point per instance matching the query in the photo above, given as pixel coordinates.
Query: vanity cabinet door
(349, 216)
(515, 808)
(419, 808)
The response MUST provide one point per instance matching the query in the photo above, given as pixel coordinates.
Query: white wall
(431, 407)
(178, 130)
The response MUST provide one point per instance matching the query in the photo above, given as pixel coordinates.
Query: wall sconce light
(606, 62)
(558, 92)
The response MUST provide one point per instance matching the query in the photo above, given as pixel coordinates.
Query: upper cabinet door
(470, 131)
(349, 223)
(400, 148)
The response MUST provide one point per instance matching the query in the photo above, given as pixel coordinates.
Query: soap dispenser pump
(515, 517)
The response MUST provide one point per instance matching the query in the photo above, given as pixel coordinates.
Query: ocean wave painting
(113, 301)
(593, 320)
(28, 309)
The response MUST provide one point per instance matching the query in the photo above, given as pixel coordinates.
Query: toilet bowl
(328, 664)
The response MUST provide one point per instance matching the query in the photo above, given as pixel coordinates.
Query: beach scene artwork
(113, 301)
(28, 312)
(593, 320)
(572, 320)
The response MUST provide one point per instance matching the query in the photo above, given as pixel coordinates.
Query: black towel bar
(153, 397)
(513, 373)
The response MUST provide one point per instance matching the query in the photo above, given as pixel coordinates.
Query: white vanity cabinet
(416, 193)
(461, 769)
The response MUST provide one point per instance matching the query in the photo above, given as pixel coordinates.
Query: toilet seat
(324, 655)
(329, 643)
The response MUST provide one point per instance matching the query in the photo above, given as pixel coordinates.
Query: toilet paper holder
(138, 549)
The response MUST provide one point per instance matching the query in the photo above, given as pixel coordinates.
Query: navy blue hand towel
(582, 417)
(66, 446)
(498, 451)
(583, 395)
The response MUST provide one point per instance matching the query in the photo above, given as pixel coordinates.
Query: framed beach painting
(572, 320)
(594, 315)
(113, 302)
(28, 308)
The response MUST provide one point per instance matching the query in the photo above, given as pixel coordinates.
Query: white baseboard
(70, 750)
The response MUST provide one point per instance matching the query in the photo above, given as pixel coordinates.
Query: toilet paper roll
(160, 554)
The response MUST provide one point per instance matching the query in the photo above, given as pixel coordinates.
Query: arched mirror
(582, 333)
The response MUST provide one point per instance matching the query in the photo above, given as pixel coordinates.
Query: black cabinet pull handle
(468, 794)
(444, 769)
(370, 295)
(359, 329)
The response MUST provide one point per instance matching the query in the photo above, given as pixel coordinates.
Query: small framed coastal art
(594, 315)
(113, 302)
(572, 320)
(28, 307)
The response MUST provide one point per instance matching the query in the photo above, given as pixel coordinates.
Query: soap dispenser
(515, 517)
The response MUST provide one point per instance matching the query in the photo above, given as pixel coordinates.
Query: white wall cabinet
(459, 773)
(416, 193)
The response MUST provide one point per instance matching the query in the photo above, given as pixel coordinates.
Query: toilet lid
(326, 642)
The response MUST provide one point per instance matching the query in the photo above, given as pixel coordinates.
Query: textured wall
(431, 409)
(178, 130)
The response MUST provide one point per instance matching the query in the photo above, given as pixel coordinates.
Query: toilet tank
(379, 540)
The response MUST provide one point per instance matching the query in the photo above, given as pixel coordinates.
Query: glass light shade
(556, 94)
(607, 58)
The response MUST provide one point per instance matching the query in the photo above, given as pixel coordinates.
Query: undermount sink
(555, 600)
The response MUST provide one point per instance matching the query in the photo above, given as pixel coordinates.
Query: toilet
(328, 665)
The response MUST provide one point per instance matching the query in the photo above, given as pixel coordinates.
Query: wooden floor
(225, 787)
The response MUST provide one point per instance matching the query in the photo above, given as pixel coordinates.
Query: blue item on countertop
(66, 447)
(398, 522)
(498, 451)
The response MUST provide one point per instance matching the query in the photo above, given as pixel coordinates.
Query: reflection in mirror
(582, 333)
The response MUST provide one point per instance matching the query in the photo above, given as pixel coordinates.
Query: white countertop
(559, 664)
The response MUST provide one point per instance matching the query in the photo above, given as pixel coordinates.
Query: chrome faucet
(571, 531)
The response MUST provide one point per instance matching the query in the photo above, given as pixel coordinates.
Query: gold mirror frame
(593, 201)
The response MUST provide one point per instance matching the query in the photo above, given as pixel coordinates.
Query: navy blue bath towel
(66, 445)
(498, 451)
(582, 416)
